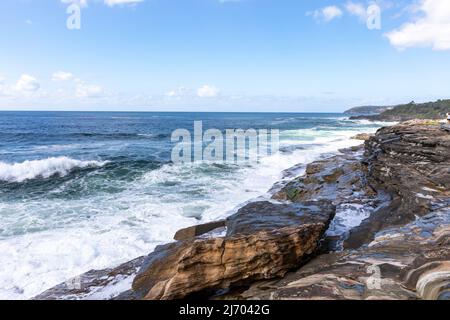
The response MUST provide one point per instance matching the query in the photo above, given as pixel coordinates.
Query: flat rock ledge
(407, 263)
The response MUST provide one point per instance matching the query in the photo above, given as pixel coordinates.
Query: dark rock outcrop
(402, 251)
(337, 179)
(266, 216)
(341, 179)
(257, 246)
(87, 284)
(362, 136)
(409, 262)
(412, 162)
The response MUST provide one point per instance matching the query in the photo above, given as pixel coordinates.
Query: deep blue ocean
(90, 190)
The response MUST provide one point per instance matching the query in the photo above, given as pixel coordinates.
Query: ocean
(91, 190)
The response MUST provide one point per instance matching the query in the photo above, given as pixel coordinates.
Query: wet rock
(265, 215)
(363, 136)
(336, 179)
(342, 180)
(409, 262)
(91, 284)
(411, 161)
(198, 230)
(262, 249)
(402, 251)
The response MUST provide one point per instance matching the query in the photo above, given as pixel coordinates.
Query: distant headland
(402, 112)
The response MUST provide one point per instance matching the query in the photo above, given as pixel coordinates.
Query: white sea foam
(372, 122)
(45, 168)
(348, 216)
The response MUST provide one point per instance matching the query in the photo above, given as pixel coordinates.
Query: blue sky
(218, 55)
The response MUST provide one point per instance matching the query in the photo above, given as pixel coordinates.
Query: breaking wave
(45, 168)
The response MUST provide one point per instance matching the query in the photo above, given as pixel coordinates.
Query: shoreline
(120, 276)
(282, 248)
(98, 229)
(401, 251)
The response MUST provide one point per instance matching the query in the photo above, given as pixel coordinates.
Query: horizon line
(155, 111)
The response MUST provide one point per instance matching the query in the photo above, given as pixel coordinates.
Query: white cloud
(432, 29)
(331, 12)
(207, 91)
(178, 92)
(82, 89)
(27, 84)
(29, 22)
(81, 3)
(357, 9)
(2, 86)
(88, 91)
(112, 3)
(62, 76)
(28, 90)
(326, 14)
(109, 3)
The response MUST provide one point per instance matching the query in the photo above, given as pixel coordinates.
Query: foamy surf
(45, 168)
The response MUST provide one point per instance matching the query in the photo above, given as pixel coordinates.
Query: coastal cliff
(299, 245)
(367, 110)
(430, 110)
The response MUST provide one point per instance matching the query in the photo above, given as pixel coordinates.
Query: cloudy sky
(222, 55)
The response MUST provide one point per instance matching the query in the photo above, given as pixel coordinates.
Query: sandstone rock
(260, 250)
(265, 215)
(88, 285)
(334, 179)
(198, 230)
(363, 136)
(411, 161)
(342, 180)
(409, 262)
(402, 251)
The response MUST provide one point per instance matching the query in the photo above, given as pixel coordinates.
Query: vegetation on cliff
(367, 110)
(412, 110)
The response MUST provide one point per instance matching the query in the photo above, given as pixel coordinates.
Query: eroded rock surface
(362, 136)
(412, 162)
(410, 262)
(266, 216)
(95, 284)
(341, 179)
(402, 251)
(338, 179)
(256, 247)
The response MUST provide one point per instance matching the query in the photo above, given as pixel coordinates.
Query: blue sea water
(90, 190)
